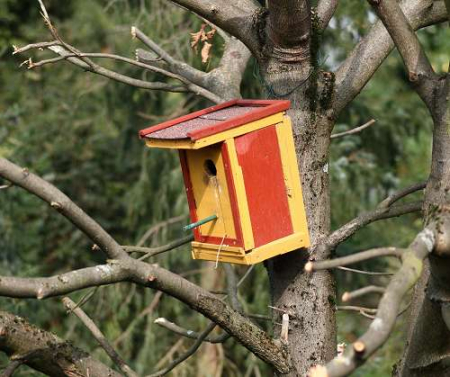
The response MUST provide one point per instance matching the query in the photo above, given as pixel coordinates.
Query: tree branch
(388, 309)
(391, 199)
(46, 352)
(124, 268)
(151, 252)
(370, 52)
(60, 202)
(99, 337)
(348, 296)
(353, 258)
(188, 353)
(189, 333)
(349, 229)
(353, 130)
(420, 71)
(325, 11)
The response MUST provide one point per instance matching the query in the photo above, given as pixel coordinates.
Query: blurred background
(79, 131)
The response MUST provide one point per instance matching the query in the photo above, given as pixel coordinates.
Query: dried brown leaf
(205, 52)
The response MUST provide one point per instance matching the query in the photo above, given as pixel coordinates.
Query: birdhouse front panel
(241, 178)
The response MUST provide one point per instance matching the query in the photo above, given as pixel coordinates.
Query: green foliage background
(79, 132)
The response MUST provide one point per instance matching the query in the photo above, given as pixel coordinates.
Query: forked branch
(388, 309)
(420, 71)
(121, 267)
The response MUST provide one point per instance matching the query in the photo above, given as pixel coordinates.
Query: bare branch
(420, 71)
(347, 230)
(60, 202)
(188, 353)
(348, 296)
(124, 268)
(71, 54)
(190, 73)
(12, 367)
(189, 333)
(391, 199)
(99, 337)
(32, 46)
(325, 11)
(156, 228)
(388, 309)
(357, 309)
(353, 130)
(371, 273)
(151, 252)
(370, 52)
(46, 352)
(5, 187)
(147, 311)
(353, 258)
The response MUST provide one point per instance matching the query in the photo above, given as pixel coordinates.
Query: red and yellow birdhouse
(241, 176)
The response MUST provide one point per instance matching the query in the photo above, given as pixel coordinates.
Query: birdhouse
(241, 177)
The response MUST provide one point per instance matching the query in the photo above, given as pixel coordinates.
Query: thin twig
(189, 333)
(188, 353)
(353, 130)
(7, 186)
(99, 337)
(348, 296)
(151, 252)
(388, 309)
(354, 258)
(362, 272)
(347, 230)
(12, 367)
(156, 228)
(391, 199)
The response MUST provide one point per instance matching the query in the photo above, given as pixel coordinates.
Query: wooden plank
(292, 177)
(259, 157)
(241, 196)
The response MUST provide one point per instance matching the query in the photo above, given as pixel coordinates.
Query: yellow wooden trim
(227, 254)
(213, 139)
(241, 195)
(237, 255)
(278, 247)
(292, 177)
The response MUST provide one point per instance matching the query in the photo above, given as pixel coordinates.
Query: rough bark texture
(46, 352)
(289, 72)
(428, 346)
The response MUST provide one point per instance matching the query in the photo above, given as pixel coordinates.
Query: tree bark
(289, 70)
(46, 352)
(428, 345)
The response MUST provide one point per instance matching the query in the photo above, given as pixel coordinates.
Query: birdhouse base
(237, 255)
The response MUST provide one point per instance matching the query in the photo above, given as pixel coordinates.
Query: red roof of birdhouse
(214, 119)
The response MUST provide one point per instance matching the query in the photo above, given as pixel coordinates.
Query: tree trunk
(308, 299)
(428, 347)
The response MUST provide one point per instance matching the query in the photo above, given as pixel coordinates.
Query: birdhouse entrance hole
(210, 168)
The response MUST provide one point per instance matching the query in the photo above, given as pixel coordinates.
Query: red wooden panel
(259, 156)
(189, 193)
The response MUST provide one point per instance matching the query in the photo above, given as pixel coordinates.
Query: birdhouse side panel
(209, 194)
(259, 157)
